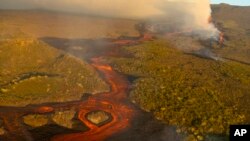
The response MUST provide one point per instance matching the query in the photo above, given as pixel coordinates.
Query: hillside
(201, 92)
(199, 95)
(234, 21)
(238, 14)
(33, 72)
(178, 88)
(40, 24)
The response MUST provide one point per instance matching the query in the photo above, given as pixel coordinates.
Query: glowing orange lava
(114, 102)
(221, 39)
(44, 109)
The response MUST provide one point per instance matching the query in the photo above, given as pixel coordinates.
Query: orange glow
(103, 67)
(45, 109)
(111, 102)
(221, 39)
(114, 102)
(147, 36)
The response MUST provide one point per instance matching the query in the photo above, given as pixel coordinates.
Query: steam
(192, 14)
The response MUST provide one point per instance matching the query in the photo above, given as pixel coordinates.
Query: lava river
(111, 102)
(114, 102)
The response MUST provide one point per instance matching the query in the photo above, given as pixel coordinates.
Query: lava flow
(111, 102)
(114, 102)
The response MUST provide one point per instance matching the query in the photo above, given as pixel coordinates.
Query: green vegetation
(32, 72)
(64, 118)
(61, 118)
(99, 118)
(200, 96)
(35, 120)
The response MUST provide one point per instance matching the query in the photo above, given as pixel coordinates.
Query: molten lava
(221, 35)
(44, 109)
(113, 102)
(221, 38)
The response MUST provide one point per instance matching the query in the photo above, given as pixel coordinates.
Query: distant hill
(33, 72)
(200, 96)
(234, 21)
(238, 14)
(38, 23)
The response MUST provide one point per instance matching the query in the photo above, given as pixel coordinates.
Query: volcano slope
(38, 24)
(41, 87)
(32, 72)
(200, 96)
(234, 21)
(197, 95)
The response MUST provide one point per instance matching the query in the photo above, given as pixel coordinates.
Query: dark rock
(1, 122)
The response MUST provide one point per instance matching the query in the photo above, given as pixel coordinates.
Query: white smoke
(192, 14)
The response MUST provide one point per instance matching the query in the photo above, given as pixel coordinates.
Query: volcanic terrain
(76, 77)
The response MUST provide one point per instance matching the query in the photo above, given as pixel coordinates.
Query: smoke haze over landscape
(192, 14)
(123, 70)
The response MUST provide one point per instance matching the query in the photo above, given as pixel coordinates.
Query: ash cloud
(186, 14)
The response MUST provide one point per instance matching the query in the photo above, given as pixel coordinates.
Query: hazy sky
(23, 4)
(185, 14)
(233, 2)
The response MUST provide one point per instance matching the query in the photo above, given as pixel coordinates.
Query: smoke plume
(192, 14)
